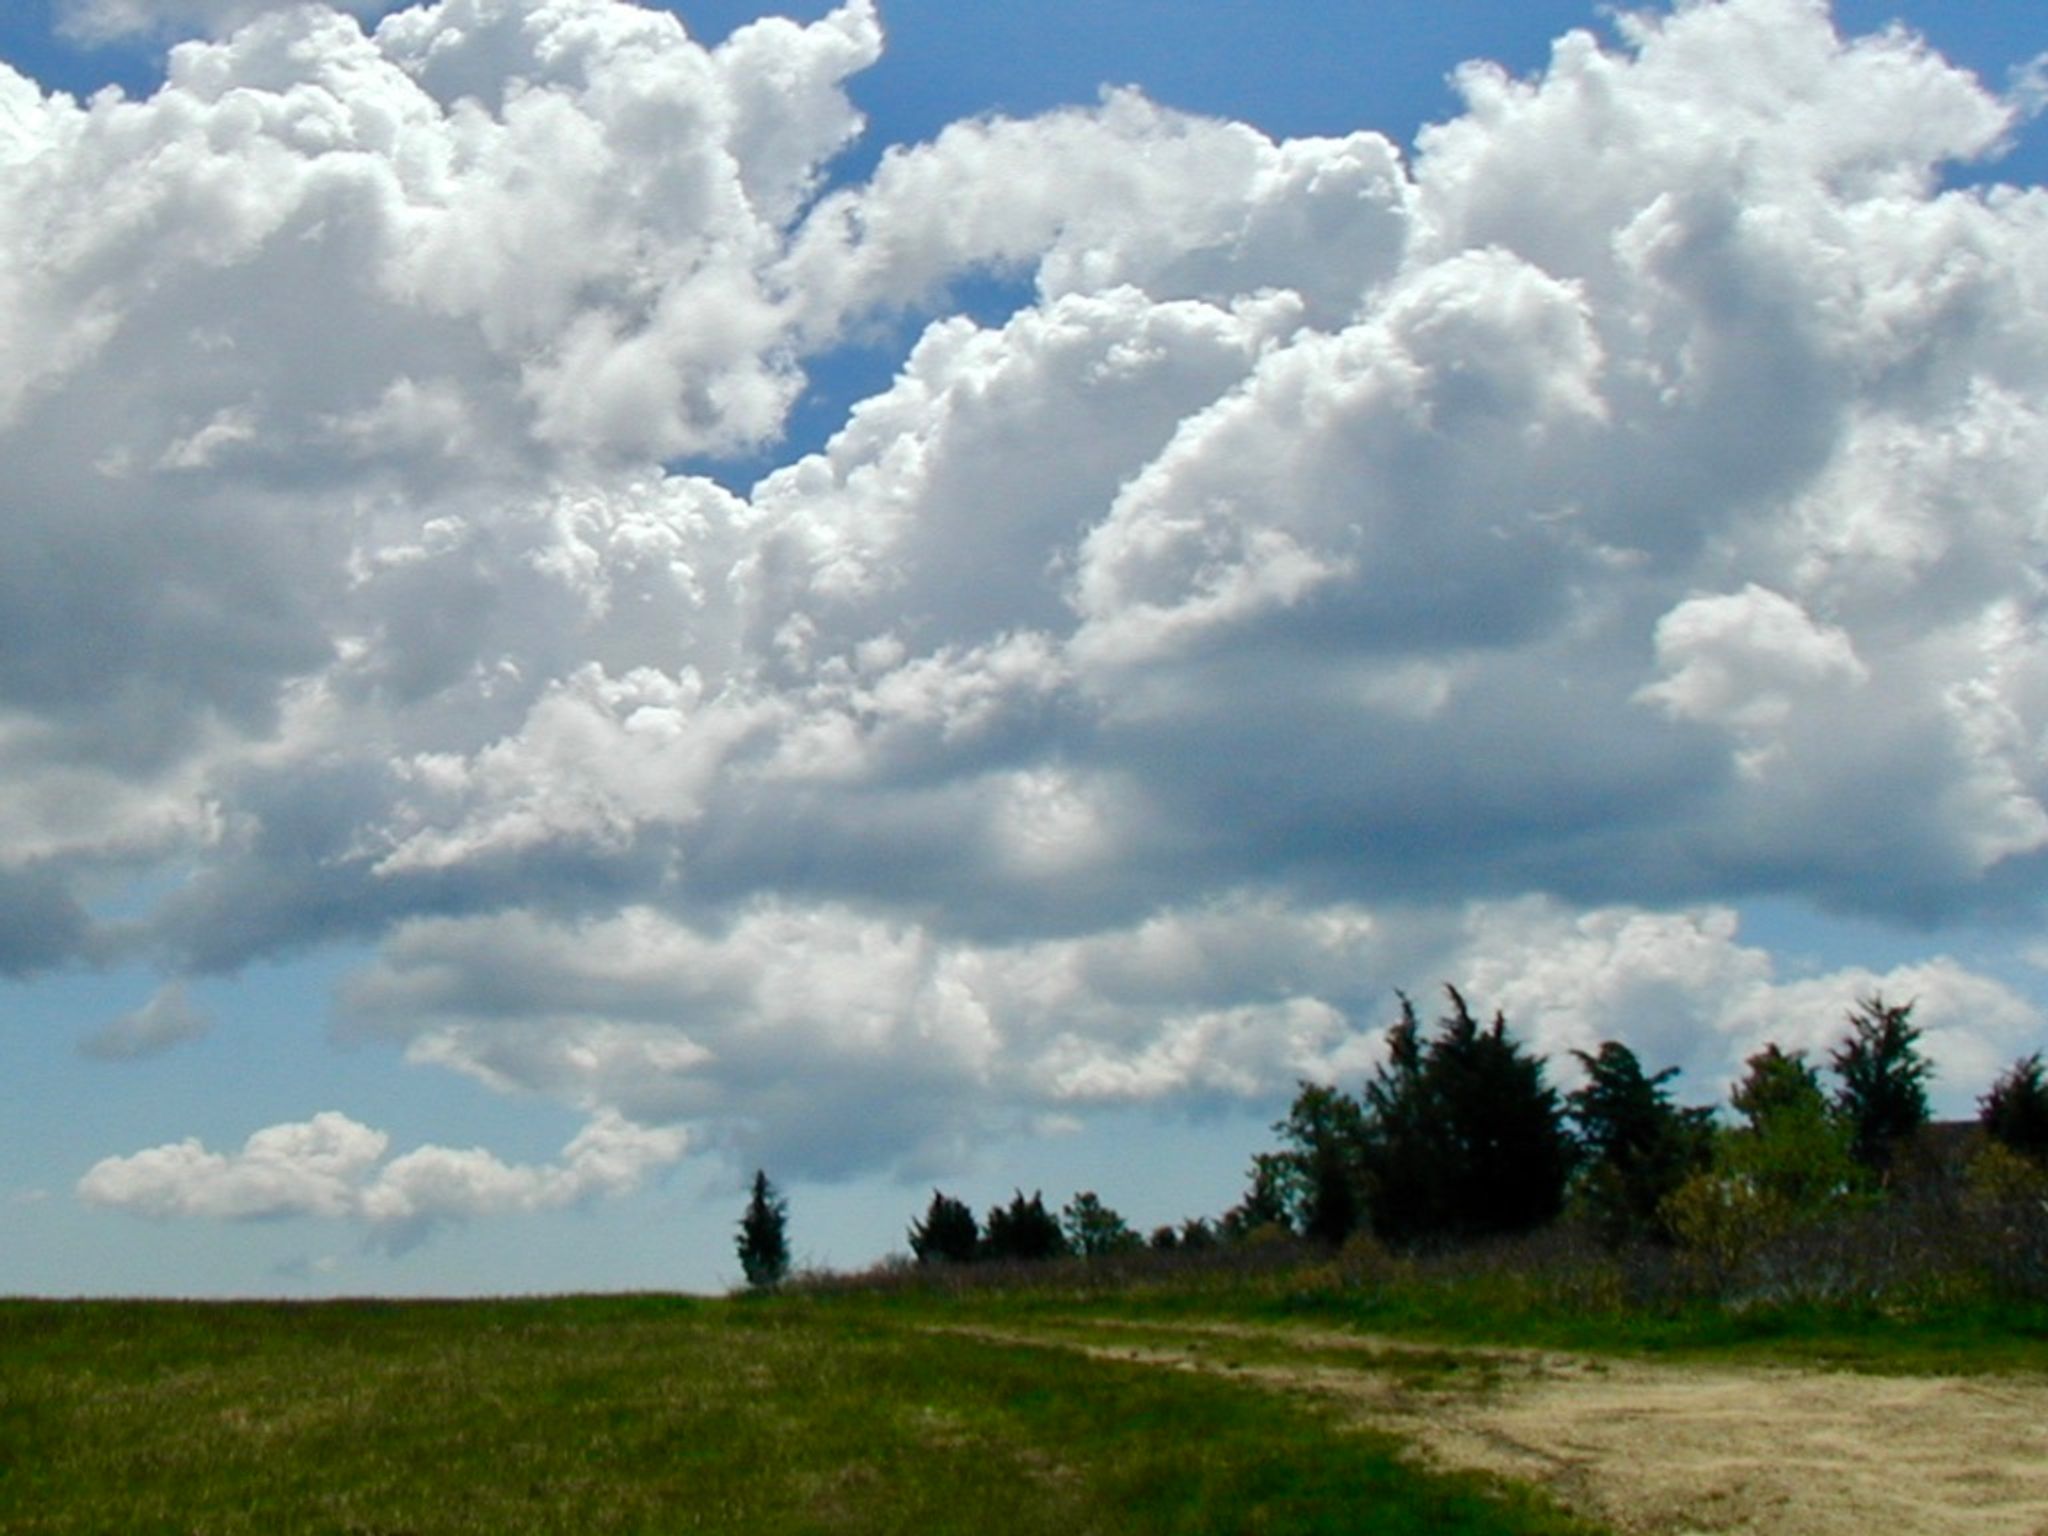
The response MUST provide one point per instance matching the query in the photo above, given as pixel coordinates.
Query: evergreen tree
(1883, 1093)
(1635, 1146)
(2015, 1112)
(1511, 1155)
(1093, 1230)
(1323, 1172)
(947, 1235)
(1404, 1143)
(1461, 1137)
(763, 1236)
(1024, 1229)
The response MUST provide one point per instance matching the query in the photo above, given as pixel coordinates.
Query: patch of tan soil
(1681, 1450)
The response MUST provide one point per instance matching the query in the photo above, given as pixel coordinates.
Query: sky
(598, 597)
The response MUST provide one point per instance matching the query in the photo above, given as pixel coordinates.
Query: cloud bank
(1350, 567)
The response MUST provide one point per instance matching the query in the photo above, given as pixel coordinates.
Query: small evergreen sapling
(763, 1239)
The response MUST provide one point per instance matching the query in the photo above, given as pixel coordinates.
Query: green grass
(1573, 1309)
(650, 1414)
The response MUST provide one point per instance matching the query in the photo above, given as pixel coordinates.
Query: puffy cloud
(1683, 989)
(102, 20)
(168, 1019)
(310, 1168)
(1497, 562)
(333, 1167)
(781, 1034)
(1125, 193)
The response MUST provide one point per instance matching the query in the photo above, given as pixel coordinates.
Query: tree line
(1459, 1136)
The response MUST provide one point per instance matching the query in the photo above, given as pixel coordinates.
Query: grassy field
(930, 1402)
(653, 1414)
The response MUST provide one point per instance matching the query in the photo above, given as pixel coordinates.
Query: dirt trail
(1667, 1449)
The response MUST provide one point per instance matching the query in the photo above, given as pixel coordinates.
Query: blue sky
(564, 649)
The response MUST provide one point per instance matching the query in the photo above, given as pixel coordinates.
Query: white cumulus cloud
(331, 1166)
(1497, 562)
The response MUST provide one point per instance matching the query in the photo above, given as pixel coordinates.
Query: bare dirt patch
(1669, 1449)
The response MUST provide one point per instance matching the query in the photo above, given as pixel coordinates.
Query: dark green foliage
(1265, 1202)
(1322, 1180)
(1164, 1239)
(1883, 1093)
(1635, 1146)
(2015, 1111)
(1773, 1082)
(1462, 1136)
(1403, 1159)
(1093, 1230)
(947, 1235)
(1023, 1229)
(763, 1240)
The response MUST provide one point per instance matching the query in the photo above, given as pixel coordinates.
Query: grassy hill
(654, 1414)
